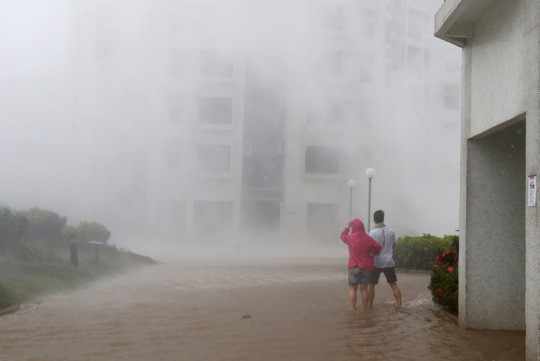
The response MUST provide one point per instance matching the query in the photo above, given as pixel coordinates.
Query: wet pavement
(261, 310)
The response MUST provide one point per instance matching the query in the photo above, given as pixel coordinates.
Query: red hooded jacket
(362, 247)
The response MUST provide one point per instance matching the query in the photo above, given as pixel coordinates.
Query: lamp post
(351, 183)
(370, 173)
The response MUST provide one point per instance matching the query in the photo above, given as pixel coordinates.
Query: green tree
(69, 233)
(92, 231)
(44, 226)
(12, 227)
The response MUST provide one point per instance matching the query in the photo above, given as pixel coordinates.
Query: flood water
(261, 310)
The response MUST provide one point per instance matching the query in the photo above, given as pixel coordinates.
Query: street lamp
(370, 173)
(351, 183)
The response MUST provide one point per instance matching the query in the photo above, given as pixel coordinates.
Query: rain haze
(229, 124)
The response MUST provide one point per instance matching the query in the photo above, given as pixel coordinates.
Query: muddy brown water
(264, 310)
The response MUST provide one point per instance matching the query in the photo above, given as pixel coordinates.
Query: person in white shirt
(384, 261)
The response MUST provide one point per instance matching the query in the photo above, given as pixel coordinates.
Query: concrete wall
(500, 235)
(497, 68)
(531, 55)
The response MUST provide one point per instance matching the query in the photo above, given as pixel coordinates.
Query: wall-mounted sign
(531, 190)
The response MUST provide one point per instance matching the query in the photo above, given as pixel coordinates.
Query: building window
(427, 59)
(365, 68)
(415, 24)
(367, 29)
(177, 17)
(214, 158)
(336, 114)
(336, 64)
(428, 24)
(414, 60)
(322, 159)
(322, 220)
(173, 155)
(329, 17)
(367, 25)
(427, 95)
(104, 51)
(173, 218)
(176, 108)
(331, 113)
(261, 217)
(215, 110)
(178, 63)
(214, 64)
(214, 217)
(314, 116)
(451, 97)
(106, 15)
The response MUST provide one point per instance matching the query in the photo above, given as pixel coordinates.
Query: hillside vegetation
(40, 254)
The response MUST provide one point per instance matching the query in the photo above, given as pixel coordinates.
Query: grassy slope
(30, 272)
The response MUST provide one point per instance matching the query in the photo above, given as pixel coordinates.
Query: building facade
(246, 119)
(499, 228)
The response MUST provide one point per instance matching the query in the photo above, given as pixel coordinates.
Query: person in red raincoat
(362, 248)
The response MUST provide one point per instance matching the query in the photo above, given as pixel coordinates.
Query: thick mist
(101, 115)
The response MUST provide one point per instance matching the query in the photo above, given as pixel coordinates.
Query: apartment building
(212, 121)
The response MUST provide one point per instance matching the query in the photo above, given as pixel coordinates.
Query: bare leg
(371, 295)
(397, 292)
(365, 297)
(353, 296)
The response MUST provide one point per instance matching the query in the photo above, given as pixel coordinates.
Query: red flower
(450, 269)
(446, 253)
(454, 251)
(435, 265)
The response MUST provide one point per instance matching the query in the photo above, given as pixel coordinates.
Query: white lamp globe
(370, 173)
(351, 183)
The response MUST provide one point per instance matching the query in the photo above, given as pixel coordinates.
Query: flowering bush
(420, 252)
(444, 278)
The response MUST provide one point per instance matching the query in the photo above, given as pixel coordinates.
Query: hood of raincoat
(357, 226)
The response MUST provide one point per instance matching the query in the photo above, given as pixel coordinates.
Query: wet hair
(378, 216)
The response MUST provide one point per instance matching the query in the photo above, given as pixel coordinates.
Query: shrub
(420, 252)
(444, 278)
(6, 299)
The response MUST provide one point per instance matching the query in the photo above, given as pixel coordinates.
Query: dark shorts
(359, 276)
(389, 273)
